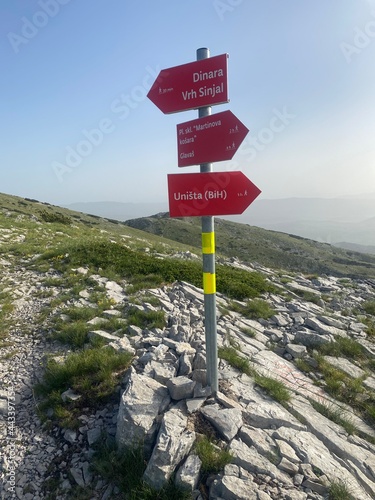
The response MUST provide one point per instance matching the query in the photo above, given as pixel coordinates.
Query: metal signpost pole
(209, 277)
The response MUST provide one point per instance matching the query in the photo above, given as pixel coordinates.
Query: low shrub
(369, 307)
(254, 309)
(231, 355)
(274, 388)
(92, 374)
(212, 456)
(125, 469)
(151, 271)
(57, 217)
(335, 414)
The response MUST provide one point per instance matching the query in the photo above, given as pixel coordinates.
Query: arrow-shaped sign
(190, 86)
(206, 194)
(209, 139)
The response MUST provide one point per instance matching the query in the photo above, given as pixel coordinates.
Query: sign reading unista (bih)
(211, 193)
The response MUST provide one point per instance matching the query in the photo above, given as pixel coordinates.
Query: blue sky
(301, 78)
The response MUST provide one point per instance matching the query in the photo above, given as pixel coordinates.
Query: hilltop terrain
(269, 248)
(337, 221)
(103, 372)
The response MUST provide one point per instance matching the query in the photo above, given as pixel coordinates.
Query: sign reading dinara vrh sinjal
(190, 86)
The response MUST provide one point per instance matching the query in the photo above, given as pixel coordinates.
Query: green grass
(231, 355)
(269, 248)
(335, 414)
(149, 271)
(302, 365)
(254, 309)
(273, 388)
(213, 458)
(146, 319)
(369, 307)
(249, 332)
(339, 491)
(343, 347)
(92, 373)
(308, 296)
(74, 334)
(370, 324)
(347, 390)
(6, 309)
(53, 216)
(125, 469)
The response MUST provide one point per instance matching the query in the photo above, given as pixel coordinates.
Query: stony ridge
(279, 452)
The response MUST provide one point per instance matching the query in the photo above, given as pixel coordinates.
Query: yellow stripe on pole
(209, 283)
(208, 243)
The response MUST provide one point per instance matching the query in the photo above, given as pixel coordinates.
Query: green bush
(121, 262)
(335, 414)
(125, 469)
(342, 346)
(369, 307)
(213, 458)
(339, 491)
(254, 309)
(92, 374)
(231, 355)
(146, 319)
(274, 388)
(55, 217)
(74, 334)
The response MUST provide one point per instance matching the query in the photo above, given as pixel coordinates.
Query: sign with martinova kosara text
(191, 86)
(212, 138)
(212, 193)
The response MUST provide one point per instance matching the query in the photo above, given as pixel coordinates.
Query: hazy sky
(301, 78)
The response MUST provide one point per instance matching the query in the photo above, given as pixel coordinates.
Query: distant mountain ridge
(266, 247)
(328, 220)
(118, 210)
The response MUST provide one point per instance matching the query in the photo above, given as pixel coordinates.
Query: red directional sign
(205, 194)
(209, 139)
(190, 86)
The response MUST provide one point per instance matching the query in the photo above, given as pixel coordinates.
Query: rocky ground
(279, 451)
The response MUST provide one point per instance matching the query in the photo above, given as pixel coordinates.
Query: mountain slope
(102, 342)
(269, 248)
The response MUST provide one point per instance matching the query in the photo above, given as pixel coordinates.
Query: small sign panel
(191, 86)
(213, 193)
(209, 139)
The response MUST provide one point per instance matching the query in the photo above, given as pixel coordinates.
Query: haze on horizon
(76, 75)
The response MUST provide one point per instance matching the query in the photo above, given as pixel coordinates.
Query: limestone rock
(233, 488)
(180, 388)
(142, 401)
(173, 443)
(101, 334)
(323, 328)
(227, 421)
(252, 461)
(188, 474)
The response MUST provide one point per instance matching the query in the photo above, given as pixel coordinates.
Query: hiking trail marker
(210, 138)
(213, 193)
(190, 86)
